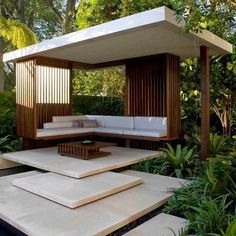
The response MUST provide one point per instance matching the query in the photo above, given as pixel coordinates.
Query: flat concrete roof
(147, 33)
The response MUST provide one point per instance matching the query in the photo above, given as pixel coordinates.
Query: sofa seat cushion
(146, 133)
(67, 118)
(62, 131)
(150, 123)
(108, 130)
(122, 122)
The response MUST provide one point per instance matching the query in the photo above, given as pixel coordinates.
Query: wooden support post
(205, 102)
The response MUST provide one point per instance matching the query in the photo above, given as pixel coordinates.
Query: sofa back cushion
(66, 118)
(52, 125)
(98, 118)
(150, 123)
(123, 122)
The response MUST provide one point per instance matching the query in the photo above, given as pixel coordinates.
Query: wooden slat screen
(146, 88)
(53, 93)
(25, 85)
(43, 90)
(153, 89)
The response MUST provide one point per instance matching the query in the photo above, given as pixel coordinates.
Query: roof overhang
(147, 33)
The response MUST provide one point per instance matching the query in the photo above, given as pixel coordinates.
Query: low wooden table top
(89, 146)
(84, 150)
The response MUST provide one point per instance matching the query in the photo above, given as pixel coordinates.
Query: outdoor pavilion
(150, 45)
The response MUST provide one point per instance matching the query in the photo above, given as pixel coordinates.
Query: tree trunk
(21, 10)
(68, 23)
(65, 21)
(225, 115)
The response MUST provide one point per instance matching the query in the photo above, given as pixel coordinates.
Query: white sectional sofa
(122, 126)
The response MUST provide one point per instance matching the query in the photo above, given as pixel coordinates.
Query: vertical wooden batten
(205, 102)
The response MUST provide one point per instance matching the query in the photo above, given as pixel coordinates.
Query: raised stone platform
(37, 216)
(161, 225)
(72, 192)
(48, 159)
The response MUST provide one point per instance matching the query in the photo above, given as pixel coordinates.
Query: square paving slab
(161, 225)
(48, 159)
(37, 216)
(72, 192)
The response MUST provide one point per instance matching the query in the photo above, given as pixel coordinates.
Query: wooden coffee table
(84, 151)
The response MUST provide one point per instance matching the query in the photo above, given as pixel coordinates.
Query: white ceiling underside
(147, 33)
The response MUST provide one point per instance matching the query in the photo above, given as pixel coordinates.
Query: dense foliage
(107, 82)
(98, 105)
(209, 201)
(8, 139)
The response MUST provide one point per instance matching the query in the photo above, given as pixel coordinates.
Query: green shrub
(231, 229)
(210, 215)
(209, 201)
(154, 166)
(179, 162)
(8, 138)
(218, 144)
(7, 102)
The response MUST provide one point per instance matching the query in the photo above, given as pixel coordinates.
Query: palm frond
(16, 32)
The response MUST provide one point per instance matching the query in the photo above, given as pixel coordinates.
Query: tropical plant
(16, 32)
(3, 144)
(208, 202)
(10, 144)
(154, 166)
(179, 161)
(218, 144)
(209, 215)
(231, 230)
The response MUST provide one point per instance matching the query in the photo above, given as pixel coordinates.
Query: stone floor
(35, 215)
(161, 225)
(48, 159)
(73, 192)
(39, 202)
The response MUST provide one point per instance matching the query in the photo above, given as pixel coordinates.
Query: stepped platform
(37, 216)
(48, 159)
(72, 192)
(161, 225)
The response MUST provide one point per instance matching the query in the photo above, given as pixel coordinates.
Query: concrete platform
(48, 159)
(161, 225)
(37, 216)
(72, 192)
